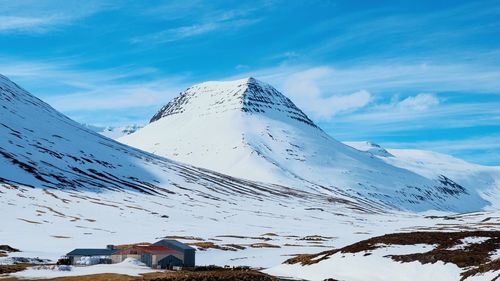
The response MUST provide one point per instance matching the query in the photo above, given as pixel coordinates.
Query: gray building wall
(189, 253)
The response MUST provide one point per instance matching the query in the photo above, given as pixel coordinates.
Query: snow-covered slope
(40, 147)
(114, 132)
(247, 129)
(433, 165)
(64, 186)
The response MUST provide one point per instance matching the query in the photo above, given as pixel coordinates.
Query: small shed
(90, 256)
(188, 252)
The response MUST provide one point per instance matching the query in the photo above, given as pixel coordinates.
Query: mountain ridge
(484, 179)
(210, 125)
(248, 95)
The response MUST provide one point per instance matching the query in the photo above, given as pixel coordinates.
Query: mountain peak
(247, 95)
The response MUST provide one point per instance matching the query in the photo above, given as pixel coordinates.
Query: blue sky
(404, 74)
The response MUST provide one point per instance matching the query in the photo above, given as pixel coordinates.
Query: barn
(153, 256)
(164, 254)
(187, 252)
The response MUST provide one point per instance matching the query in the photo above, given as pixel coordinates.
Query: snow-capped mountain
(434, 165)
(247, 129)
(113, 132)
(43, 148)
(72, 187)
(63, 186)
(69, 187)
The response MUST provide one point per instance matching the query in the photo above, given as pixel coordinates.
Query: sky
(403, 74)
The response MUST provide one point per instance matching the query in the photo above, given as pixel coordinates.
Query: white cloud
(419, 102)
(387, 79)
(306, 89)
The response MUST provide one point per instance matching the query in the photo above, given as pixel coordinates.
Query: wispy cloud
(20, 23)
(389, 78)
(116, 95)
(402, 101)
(27, 16)
(420, 102)
(383, 92)
(187, 31)
(69, 88)
(389, 32)
(197, 19)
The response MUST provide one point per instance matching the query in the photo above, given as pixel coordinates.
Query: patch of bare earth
(473, 258)
(211, 245)
(263, 245)
(316, 238)
(179, 237)
(271, 234)
(29, 221)
(11, 268)
(244, 237)
(61, 236)
(210, 274)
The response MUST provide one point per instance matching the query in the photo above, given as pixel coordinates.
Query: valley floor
(46, 224)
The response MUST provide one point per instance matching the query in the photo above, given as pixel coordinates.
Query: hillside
(433, 165)
(247, 129)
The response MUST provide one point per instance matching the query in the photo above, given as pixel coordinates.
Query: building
(91, 256)
(164, 254)
(153, 256)
(187, 252)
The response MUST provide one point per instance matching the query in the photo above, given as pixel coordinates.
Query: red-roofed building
(152, 256)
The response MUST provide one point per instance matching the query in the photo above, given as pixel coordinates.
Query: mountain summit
(247, 129)
(248, 95)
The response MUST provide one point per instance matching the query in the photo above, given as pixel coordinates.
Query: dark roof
(91, 252)
(174, 244)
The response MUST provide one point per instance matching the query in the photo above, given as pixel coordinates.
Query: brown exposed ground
(229, 247)
(263, 245)
(29, 221)
(11, 268)
(269, 234)
(316, 238)
(178, 237)
(61, 236)
(244, 237)
(211, 245)
(473, 258)
(213, 274)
